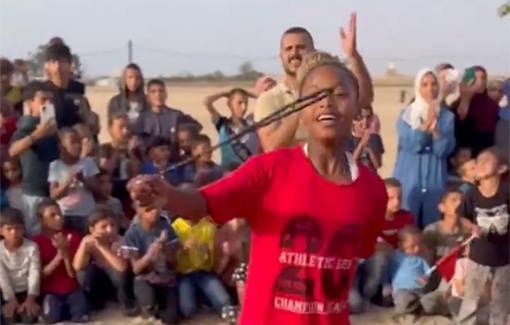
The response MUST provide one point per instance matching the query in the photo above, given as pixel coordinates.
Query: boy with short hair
(466, 171)
(63, 298)
(440, 238)
(159, 152)
(195, 262)
(20, 271)
(486, 206)
(104, 197)
(406, 274)
(237, 102)
(367, 146)
(99, 261)
(154, 243)
(375, 267)
(204, 171)
(161, 120)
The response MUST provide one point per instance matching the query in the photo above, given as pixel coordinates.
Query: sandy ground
(189, 99)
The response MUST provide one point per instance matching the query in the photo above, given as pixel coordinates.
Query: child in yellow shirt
(195, 266)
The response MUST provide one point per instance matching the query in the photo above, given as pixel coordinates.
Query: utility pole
(130, 51)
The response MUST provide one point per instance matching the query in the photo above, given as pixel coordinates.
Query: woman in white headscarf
(426, 137)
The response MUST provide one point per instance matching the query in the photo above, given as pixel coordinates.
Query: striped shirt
(20, 271)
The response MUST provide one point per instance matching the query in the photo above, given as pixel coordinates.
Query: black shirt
(36, 160)
(68, 103)
(491, 215)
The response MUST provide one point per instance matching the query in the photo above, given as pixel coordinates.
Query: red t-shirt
(391, 227)
(59, 282)
(8, 130)
(308, 234)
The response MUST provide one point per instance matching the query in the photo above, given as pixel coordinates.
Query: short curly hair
(316, 59)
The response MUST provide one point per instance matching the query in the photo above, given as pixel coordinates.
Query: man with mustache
(295, 43)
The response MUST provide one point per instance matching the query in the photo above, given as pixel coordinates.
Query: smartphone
(469, 76)
(48, 113)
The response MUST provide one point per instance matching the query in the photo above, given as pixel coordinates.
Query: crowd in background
(73, 238)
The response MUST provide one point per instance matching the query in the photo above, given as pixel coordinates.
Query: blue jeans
(58, 308)
(206, 282)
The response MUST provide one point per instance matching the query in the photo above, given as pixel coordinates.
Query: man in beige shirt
(295, 43)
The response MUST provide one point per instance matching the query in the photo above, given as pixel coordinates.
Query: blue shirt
(174, 176)
(228, 154)
(404, 270)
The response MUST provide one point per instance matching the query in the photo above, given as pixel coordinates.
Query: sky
(172, 37)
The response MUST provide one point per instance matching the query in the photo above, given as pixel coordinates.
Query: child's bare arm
(459, 286)
(49, 268)
(59, 190)
(82, 257)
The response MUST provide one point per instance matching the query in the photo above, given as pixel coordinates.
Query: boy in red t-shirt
(375, 267)
(63, 297)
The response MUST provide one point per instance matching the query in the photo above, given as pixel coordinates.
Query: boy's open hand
(422, 280)
(30, 307)
(10, 307)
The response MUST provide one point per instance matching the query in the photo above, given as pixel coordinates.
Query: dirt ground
(189, 99)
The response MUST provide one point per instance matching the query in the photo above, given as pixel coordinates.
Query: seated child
(11, 179)
(407, 274)
(115, 156)
(104, 197)
(8, 121)
(204, 171)
(20, 271)
(372, 270)
(63, 299)
(486, 206)
(439, 239)
(458, 158)
(367, 146)
(185, 137)
(195, 262)
(158, 150)
(100, 261)
(73, 182)
(154, 244)
(88, 146)
(466, 171)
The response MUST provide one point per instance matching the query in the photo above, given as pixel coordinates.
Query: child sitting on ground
(195, 261)
(101, 262)
(11, 178)
(371, 272)
(487, 207)
(115, 156)
(406, 274)
(88, 146)
(154, 244)
(466, 171)
(20, 271)
(73, 182)
(63, 299)
(104, 197)
(367, 146)
(185, 136)
(458, 158)
(159, 149)
(204, 171)
(440, 239)
(237, 102)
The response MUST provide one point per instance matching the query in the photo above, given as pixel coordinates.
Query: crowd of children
(473, 230)
(73, 239)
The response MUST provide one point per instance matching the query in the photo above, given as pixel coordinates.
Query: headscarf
(418, 109)
(483, 110)
(260, 85)
(139, 92)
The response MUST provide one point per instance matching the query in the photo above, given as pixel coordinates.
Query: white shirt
(78, 201)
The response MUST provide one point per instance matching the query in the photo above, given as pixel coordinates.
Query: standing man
(71, 105)
(295, 43)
